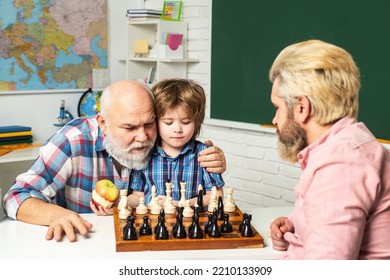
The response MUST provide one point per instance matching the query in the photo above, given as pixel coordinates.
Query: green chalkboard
(248, 35)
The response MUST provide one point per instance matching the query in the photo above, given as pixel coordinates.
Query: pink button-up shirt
(342, 207)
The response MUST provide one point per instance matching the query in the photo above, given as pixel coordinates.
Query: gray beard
(135, 160)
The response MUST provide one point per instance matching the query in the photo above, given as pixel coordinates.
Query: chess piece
(229, 205)
(212, 200)
(195, 231)
(156, 208)
(168, 193)
(129, 231)
(226, 226)
(208, 224)
(220, 211)
(214, 230)
(145, 228)
(182, 201)
(152, 200)
(161, 230)
(178, 230)
(194, 217)
(199, 201)
(179, 215)
(247, 230)
(188, 211)
(123, 207)
(244, 217)
(169, 208)
(141, 209)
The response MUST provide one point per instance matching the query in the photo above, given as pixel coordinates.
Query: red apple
(105, 194)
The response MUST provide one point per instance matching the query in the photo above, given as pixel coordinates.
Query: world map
(51, 44)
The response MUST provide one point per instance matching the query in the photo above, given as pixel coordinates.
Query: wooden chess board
(231, 240)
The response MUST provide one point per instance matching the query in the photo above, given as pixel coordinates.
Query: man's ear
(303, 109)
(101, 122)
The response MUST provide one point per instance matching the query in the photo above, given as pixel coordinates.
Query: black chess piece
(220, 211)
(161, 216)
(214, 230)
(178, 230)
(145, 228)
(196, 231)
(244, 217)
(129, 231)
(247, 230)
(199, 202)
(161, 230)
(208, 224)
(194, 217)
(226, 226)
(179, 214)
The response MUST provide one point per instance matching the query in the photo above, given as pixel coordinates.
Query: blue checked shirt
(67, 169)
(184, 167)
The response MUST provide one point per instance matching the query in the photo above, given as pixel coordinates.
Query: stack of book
(143, 14)
(15, 134)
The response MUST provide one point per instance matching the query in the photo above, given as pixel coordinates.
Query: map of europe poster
(51, 44)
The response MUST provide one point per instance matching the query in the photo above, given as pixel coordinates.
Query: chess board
(231, 240)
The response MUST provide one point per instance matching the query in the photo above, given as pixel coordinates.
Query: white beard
(132, 160)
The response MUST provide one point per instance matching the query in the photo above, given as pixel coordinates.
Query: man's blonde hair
(326, 74)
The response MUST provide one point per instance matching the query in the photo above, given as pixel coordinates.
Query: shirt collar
(339, 125)
(189, 147)
(99, 146)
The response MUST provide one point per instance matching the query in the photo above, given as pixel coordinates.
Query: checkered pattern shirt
(185, 167)
(67, 169)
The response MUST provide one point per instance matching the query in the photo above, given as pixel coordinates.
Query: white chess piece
(156, 207)
(141, 208)
(188, 212)
(168, 190)
(123, 207)
(213, 200)
(169, 208)
(182, 201)
(229, 205)
(152, 200)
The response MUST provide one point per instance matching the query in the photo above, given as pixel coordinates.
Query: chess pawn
(169, 208)
(244, 217)
(229, 205)
(220, 211)
(156, 207)
(145, 228)
(152, 200)
(129, 231)
(161, 230)
(123, 207)
(214, 230)
(141, 209)
(247, 230)
(195, 231)
(182, 201)
(188, 212)
(226, 226)
(208, 224)
(178, 230)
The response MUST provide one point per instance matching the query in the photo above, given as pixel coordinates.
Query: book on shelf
(14, 128)
(16, 138)
(144, 17)
(144, 11)
(14, 134)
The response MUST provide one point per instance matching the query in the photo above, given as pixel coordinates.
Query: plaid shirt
(184, 167)
(67, 169)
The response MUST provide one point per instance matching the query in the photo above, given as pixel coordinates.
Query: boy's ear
(302, 109)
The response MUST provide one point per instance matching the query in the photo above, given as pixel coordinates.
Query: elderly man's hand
(212, 158)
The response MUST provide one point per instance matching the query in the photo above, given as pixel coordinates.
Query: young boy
(180, 109)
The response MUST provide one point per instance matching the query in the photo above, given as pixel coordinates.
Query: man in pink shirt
(342, 201)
